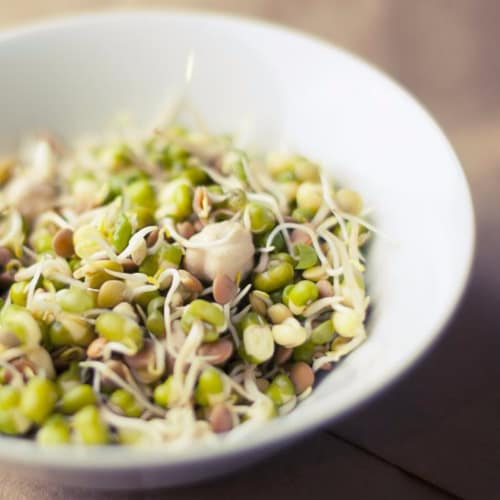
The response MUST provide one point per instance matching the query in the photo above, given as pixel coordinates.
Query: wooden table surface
(435, 434)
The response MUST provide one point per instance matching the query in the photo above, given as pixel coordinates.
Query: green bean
(194, 175)
(76, 398)
(38, 398)
(250, 318)
(236, 200)
(89, 427)
(41, 240)
(281, 389)
(141, 216)
(155, 323)
(129, 436)
(126, 402)
(274, 278)
(176, 200)
(18, 293)
(121, 232)
(164, 394)
(310, 196)
(119, 328)
(69, 378)
(10, 397)
(111, 293)
(141, 193)
(261, 217)
(304, 352)
(305, 170)
(70, 329)
(349, 201)
(210, 387)
(347, 322)
(156, 304)
(323, 333)
(167, 256)
(54, 431)
(12, 422)
(211, 314)
(21, 323)
(278, 257)
(302, 214)
(87, 241)
(118, 155)
(75, 300)
(303, 292)
(143, 299)
(96, 275)
(258, 344)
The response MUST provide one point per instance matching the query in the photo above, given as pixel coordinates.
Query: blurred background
(436, 434)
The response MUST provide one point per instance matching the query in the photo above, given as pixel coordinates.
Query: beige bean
(260, 301)
(62, 243)
(315, 273)
(111, 293)
(224, 289)
(221, 419)
(283, 354)
(278, 313)
(302, 376)
(95, 348)
(325, 288)
(143, 357)
(221, 350)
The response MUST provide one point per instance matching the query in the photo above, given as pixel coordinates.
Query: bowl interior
(276, 88)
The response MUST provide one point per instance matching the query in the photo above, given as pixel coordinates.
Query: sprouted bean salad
(169, 289)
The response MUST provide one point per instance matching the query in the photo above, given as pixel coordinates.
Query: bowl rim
(104, 458)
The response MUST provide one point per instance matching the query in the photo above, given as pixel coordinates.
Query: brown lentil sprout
(302, 376)
(224, 289)
(152, 237)
(325, 288)
(221, 419)
(299, 236)
(62, 243)
(5, 257)
(221, 350)
(143, 357)
(283, 354)
(186, 229)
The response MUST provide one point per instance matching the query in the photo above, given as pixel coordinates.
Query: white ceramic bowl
(72, 76)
